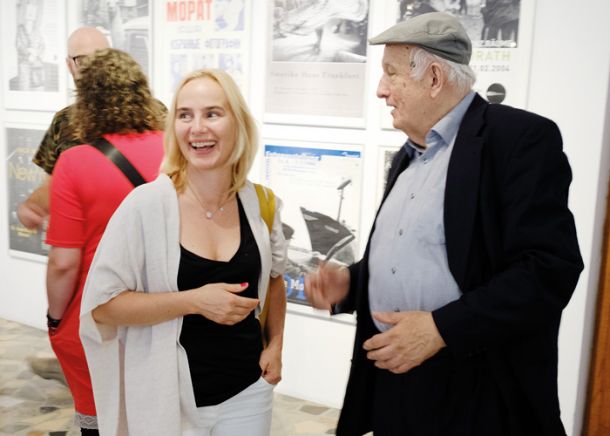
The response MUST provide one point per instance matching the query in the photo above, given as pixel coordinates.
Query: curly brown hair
(113, 96)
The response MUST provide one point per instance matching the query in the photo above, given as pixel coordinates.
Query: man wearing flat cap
(472, 257)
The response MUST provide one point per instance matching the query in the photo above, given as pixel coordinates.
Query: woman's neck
(210, 186)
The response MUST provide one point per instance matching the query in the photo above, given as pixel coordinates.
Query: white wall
(569, 83)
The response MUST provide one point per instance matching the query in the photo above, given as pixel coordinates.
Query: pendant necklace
(208, 213)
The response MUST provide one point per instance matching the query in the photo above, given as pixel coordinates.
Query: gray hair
(460, 75)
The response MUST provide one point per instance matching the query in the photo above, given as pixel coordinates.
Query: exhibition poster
(23, 177)
(501, 34)
(320, 188)
(317, 62)
(206, 34)
(126, 24)
(33, 52)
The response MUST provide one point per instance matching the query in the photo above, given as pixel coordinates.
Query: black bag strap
(119, 159)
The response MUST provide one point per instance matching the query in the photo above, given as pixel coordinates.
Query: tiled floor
(33, 406)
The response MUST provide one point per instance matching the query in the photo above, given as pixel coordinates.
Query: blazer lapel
(462, 189)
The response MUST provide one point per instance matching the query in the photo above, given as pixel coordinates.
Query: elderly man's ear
(437, 79)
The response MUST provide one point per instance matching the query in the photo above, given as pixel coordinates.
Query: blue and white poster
(320, 187)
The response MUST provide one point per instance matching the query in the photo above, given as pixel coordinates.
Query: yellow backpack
(266, 201)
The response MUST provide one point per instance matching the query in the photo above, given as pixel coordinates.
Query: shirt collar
(448, 126)
(444, 131)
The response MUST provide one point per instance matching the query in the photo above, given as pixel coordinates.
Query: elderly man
(59, 136)
(472, 257)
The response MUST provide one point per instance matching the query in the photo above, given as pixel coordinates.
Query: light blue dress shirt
(408, 267)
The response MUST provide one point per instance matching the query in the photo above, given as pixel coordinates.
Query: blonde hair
(246, 135)
(113, 96)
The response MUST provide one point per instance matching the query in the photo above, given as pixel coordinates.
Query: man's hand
(412, 339)
(31, 215)
(328, 285)
(35, 208)
(271, 364)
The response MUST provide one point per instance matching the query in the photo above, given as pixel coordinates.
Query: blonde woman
(169, 319)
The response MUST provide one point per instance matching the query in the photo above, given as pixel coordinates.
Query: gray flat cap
(439, 33)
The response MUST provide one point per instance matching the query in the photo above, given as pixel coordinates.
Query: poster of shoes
(316, 66)
(22, 178)
(320, 186)
(33, 52)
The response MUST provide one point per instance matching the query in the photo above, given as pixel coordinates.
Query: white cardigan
(140, 374)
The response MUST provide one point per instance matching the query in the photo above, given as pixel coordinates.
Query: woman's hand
(271, 364)
(218, 302)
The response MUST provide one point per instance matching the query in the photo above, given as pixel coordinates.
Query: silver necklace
(208, 213)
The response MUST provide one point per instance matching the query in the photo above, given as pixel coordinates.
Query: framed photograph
(316, 65)
(23, 177)
(126, 24)
(320, 186)
(33, 38)
(501, 33)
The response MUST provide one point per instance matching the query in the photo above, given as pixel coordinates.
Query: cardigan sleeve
(115, 269)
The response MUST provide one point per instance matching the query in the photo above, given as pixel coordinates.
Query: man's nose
(382, 89)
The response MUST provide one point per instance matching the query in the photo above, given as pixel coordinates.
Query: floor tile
(33, 406)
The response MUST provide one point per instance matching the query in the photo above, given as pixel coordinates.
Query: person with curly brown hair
(113, 102)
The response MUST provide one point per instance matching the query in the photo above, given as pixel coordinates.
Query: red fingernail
(244, 284)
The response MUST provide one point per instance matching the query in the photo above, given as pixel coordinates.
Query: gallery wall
(321, 125)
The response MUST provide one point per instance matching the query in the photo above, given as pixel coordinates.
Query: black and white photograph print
(33, 51)
(23, 177)
(29, 36)
(489, 23)
(34, 72)
(126, 23)
(319, 30)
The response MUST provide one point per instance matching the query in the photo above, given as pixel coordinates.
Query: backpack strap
(266, 201)
(119, 159)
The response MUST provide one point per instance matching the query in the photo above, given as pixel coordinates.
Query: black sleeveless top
(223, 360)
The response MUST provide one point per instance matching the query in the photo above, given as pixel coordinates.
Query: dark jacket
(512, 248)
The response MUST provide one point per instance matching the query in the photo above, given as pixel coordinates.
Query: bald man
(82, 42)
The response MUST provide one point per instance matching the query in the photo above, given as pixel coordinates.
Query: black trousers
(441, 397)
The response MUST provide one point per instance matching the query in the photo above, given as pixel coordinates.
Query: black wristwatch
(52, 323)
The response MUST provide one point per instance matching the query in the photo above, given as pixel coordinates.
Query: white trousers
(247, 413)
